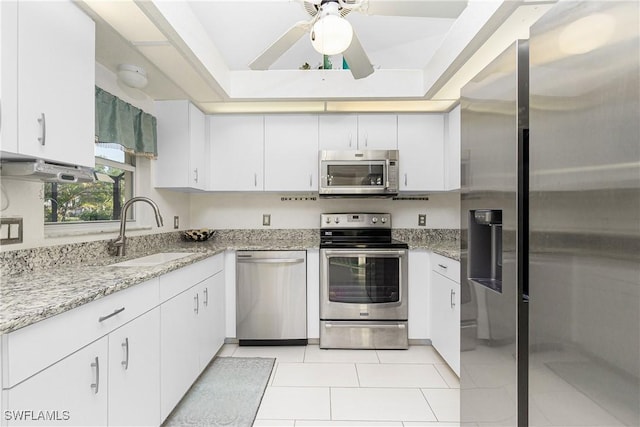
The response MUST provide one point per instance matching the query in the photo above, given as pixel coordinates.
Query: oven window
(355, 175)
(364, 280)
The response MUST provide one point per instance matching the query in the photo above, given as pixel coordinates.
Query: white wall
(25, 199)
(227, 211)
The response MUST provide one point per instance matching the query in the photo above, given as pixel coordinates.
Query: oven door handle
(366, 325)
(368, 252)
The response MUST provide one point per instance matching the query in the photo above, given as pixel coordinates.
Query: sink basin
(152, 260)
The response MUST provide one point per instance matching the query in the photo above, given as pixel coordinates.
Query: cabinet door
(134, 372)
(181, 145)
(291, 153)
(179, 357)
(338, 132)
(378, 132)
(211, 328)
(236, 153)
(56, 61)
(421, 145)
(445, 309)
(452, 150)
(197, 144)
(72, 392)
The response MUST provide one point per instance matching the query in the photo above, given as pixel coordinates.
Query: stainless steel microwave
(352, 173)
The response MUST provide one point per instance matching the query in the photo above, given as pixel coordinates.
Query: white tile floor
(314, 387)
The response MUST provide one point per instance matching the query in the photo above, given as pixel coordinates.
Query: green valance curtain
(121, 124)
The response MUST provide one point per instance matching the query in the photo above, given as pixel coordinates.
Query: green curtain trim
(118, 122)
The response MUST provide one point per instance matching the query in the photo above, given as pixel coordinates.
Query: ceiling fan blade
(280, 46)
(424, 9)
(357, 59)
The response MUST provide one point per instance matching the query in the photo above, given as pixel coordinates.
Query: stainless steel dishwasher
(271, 295)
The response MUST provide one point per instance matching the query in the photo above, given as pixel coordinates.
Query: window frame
(79, 228)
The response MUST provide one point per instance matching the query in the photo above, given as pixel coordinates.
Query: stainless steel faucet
(119, 242)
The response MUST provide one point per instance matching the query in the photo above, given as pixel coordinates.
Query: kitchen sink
(152, 260)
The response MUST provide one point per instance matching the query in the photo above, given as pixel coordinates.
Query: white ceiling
(201, 50)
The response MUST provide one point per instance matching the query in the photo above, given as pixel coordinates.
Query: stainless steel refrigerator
(550, 225)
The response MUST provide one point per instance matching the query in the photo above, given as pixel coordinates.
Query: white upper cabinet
(291, 153)
(358, 132)
(452, 150)
(421, 145)
(48, 76)
(377, 132)
(338, 131)
(182, 156)
(236, 145)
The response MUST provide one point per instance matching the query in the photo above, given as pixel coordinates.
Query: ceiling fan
(328, 25)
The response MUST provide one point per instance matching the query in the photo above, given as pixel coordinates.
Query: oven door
(354, 177)
(363, 284)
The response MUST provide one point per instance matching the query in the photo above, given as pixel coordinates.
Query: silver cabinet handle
(270, 260)
(405, 179)
(453, 298)
(366, 139)
(108, 316)
(206, 297)
(197, 304)
(310, 180)
(195, 174)
(96, 384)
(357, 325)
(125, 346)
(255, 179)
(350, 139)
(43, 129)
(442, 266)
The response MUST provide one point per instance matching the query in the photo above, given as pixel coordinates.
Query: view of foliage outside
(97, 201)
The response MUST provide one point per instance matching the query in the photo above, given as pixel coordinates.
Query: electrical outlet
(266, 220)
(422, 220)
(176, 222)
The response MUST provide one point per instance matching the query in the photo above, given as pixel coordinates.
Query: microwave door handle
(386, 175)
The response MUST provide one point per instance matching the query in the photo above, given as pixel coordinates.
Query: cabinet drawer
(446, 266)
(37, 346)
(180, 280)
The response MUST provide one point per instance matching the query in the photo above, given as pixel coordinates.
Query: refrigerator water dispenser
(485, 248)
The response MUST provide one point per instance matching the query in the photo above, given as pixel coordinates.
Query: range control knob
(383, 219)
(328, 220)
(374, 220)
(337, 220)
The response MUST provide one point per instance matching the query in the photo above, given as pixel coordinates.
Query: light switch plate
(11, 230)
(422, 220)
(266, 220)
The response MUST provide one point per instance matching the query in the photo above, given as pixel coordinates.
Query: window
(97, 201)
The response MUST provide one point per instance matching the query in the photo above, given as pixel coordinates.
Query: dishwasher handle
(270, 260)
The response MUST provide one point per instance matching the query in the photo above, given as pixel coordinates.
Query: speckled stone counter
(39, 283)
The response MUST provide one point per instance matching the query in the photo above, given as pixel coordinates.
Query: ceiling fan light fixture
(331, 34)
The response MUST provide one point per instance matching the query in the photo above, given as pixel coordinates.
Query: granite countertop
(34, 296)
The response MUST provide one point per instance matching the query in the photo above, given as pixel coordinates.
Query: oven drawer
(364, 334)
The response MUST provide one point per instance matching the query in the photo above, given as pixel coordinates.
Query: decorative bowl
(199, 235)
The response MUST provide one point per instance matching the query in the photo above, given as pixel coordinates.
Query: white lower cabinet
(123, 360)
(179, 358)
(72, 392)
(134, 372)
(445, 310)
(211, 328)
(191, 333)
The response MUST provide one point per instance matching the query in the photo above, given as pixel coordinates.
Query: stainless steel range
(363, 283)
